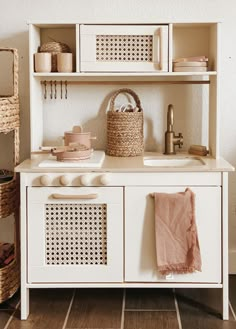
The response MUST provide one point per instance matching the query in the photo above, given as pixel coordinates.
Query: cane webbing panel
(76, 234)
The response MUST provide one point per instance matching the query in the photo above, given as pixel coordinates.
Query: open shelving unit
(184, 40)
(9, 190)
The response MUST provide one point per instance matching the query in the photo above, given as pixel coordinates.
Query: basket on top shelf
(125, 127)
(9, 105)
(9, 193)
(54, 48)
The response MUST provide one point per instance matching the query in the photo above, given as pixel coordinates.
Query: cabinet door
(140, 254)
(127, 48)
(74, 239)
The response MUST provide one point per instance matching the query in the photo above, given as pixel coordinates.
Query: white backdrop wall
(15, 14)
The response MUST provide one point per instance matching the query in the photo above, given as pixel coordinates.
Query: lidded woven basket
(54, 48)
(125, 129)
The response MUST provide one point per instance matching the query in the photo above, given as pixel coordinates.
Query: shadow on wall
(97, 124)
(20, 42)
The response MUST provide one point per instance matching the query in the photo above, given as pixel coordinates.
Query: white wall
(14, 33)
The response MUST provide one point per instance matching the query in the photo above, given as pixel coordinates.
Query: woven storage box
(9, 191)
(125, 129)
(8, 198)
(54, 48)
(9, 105)
(9, 280)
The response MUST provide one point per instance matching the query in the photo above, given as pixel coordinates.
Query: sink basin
(173, 162)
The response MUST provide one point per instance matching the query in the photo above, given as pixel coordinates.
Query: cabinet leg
(225, 296)
(24, 303)
(225, 273)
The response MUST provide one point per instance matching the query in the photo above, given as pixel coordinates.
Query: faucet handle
(181, 143)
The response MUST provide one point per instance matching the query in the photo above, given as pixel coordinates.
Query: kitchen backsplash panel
(87, 106)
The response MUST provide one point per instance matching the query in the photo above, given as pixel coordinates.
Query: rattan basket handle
(127, 91)
(15, 68)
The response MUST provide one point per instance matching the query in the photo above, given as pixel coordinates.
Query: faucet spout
(170, 118)
(171, 140)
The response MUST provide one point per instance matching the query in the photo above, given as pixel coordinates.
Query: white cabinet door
(124, 48)
(72, 239)
(140, 252)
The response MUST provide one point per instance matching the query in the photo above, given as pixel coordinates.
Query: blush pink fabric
(177, 246)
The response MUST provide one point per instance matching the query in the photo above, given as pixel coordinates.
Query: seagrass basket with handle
(125, 128)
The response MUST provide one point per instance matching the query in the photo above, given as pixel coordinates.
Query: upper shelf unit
(112, 50)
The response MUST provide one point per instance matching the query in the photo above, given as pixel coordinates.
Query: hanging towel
(177, 246)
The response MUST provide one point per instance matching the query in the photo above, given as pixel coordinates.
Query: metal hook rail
(53, 89)
(64, 85)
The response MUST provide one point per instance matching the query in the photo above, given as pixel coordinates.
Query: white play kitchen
(133, 115)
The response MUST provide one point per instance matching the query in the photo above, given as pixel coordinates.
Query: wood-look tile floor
(121, 309)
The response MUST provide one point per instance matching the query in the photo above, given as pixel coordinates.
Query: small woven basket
(9, 279)
(54, 48)
(9, 105)
(125, 129)
(8, 198)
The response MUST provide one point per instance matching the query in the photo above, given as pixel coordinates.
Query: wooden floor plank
(158, 299)
(48, 309)
(208, 300)
(4, 317)
(197, 316)
(232, 291)
(150, 320)
(7, 308)
(96, 308)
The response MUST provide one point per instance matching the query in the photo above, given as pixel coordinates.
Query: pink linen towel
(177, 246)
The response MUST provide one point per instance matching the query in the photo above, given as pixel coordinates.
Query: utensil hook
(61, 90)
(66, 89)
(51, 89)
(55, 89)
(45, 89)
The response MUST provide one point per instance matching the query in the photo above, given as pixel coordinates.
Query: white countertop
(127, 164)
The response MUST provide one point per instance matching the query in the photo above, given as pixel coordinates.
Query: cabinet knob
(64, 180)
(45, 180)
(105, 179)
(85, 180)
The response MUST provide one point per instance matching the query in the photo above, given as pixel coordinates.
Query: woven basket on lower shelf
(125, 129)
(8, 198)
(9, 280)
(9, 105)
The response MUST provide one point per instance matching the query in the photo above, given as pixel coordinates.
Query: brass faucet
(170, 139)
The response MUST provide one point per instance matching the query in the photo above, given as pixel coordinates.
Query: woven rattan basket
(9, 280)
(125, 129)
(54, 48)
(9, 105)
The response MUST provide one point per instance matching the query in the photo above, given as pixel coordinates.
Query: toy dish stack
(190, 64)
